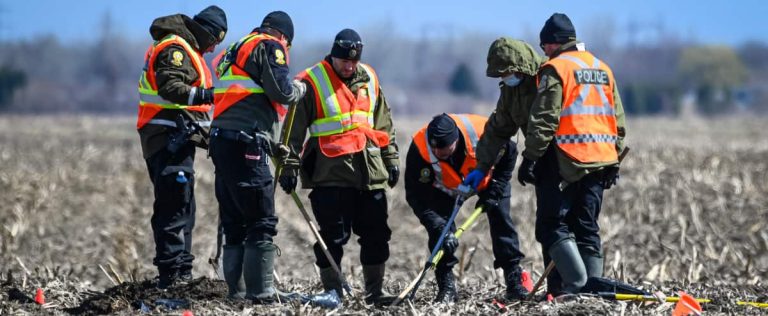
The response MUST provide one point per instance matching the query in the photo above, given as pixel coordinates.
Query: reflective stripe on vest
(334, 120)
(170, 123)
(471, 137)
(587, 131)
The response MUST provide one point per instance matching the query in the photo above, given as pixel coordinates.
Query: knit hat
(214, 20)
(442, 131)
(280, 21)
(557, 30)
(347, 45)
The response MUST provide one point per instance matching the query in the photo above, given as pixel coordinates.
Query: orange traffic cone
(39, 297)
(525, 279)
(687, 305)
(187, 313)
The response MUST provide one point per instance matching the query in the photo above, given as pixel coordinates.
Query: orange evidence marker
(687, 305)
(39, 297)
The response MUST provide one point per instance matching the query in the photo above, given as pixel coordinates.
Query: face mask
(511, 80)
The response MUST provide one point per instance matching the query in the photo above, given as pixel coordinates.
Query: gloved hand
(394, 175)
(489, 204)
(525, 172)
(474, 178)
(288, 182)
(300, 87)
(610, 177)
(202, 96)
(450, 243)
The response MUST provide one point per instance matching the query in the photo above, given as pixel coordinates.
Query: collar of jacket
(567, 47)
(360, 75)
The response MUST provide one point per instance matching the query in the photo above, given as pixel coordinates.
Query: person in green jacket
(576, 131)
(347, 178)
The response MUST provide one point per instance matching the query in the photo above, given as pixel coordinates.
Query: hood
(183, 26)
(506, 55)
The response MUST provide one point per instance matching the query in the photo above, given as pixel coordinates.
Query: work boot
(232, 266)
(331, 281)
(513, 277)
(374, 281)
(446, 287)
(568, 263)
(593, 262)
(258, 264)
(554, 282)
(186, 275)
(167, 277)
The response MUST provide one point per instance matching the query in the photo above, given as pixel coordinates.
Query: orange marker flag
(39, 297)
(525, 279)
(187, 313)
(687, 305)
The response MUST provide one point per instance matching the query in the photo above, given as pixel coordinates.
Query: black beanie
(557, 30)
(347, 52)
(214, 20)
(442, 131)
(280, 21)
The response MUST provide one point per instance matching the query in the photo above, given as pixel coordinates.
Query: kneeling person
(441, 154)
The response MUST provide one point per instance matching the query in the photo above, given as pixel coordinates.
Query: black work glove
(288, 183)
(610, 177)
(525, 172)
(394, 175)
(450, 243)
(202, 96)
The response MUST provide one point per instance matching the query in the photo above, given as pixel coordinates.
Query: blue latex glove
(473, 178)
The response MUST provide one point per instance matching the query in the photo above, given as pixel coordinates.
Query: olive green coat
(545, 118)
(505, 56)
(366, 170)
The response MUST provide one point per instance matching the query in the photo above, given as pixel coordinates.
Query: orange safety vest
(150, 103)
(229, 70)
(446, 178)
(587, 130)
(344, 121)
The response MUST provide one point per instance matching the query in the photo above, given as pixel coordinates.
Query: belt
(232, 135)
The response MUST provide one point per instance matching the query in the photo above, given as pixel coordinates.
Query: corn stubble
(690, 213)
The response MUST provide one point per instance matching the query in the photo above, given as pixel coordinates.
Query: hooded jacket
(174, 82)
(507, 55)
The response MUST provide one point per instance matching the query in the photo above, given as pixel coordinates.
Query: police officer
(576, 127)
(348, 161)
(516, 64)
(440, 155)
(249, 105)
(176, 93)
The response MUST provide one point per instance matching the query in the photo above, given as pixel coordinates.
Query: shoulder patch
(176, 58)
(279, 57)
(425, 175)
(543, 83)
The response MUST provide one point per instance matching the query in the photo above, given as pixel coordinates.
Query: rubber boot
(554, 281)
(593, 262)
(331, 281)
(232, 266)
(446, 287)
(568, 263)
(167, 277)
(513, 277)
(258, 264)
(374, 281)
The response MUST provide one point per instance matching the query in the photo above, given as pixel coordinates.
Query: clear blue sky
(726, 22)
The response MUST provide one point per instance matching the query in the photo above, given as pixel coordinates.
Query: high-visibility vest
(150, 103)
(237, 83)
(447, 179)
(344, 121)
(587, 130)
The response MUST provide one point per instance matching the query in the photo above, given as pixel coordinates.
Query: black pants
(504, 238)
(173, 216)
(244, 189)
(341, 211)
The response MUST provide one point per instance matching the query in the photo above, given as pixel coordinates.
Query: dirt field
(690, 214)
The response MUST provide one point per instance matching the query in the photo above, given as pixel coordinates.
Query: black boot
(569, 264)
(374, 281)
(513, 277)
(593, 261)
(167, 277)
(331, 280)
(258, 264)
(232, 266)
(446, 287)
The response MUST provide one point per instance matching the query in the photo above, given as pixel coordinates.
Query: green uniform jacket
(174, 82)
(545, 118)
(366, 170)
(255, 112)
(512, 107)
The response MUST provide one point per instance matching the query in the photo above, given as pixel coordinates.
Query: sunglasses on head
(349, 44)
